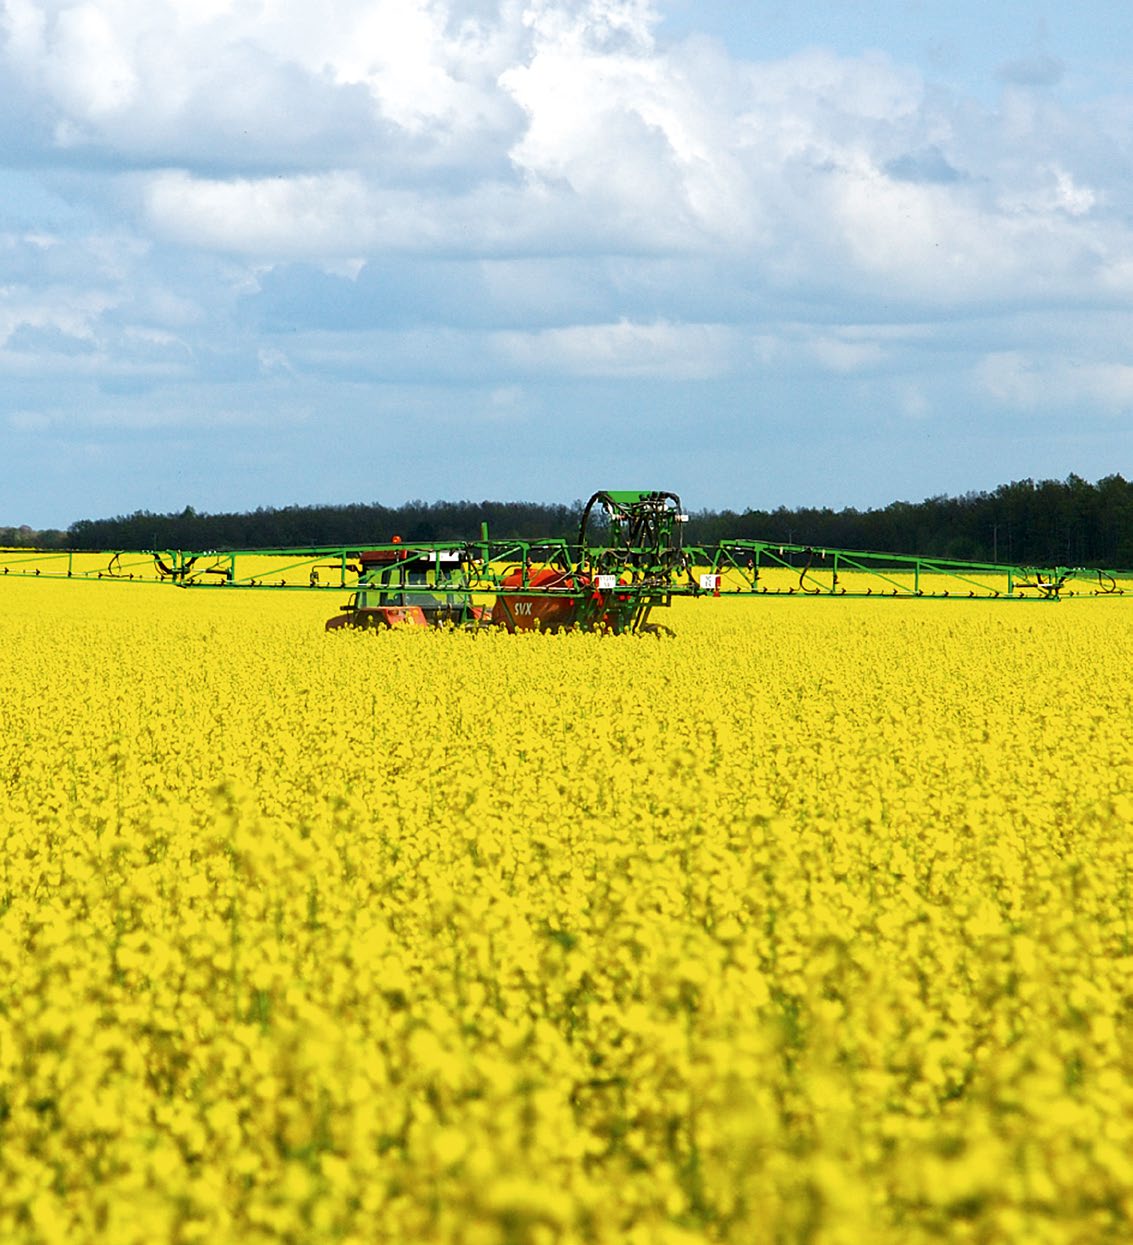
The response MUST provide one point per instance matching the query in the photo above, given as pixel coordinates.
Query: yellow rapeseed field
(811, 924)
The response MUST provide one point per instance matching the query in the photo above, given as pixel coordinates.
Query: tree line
(1049, 522)
(1026, 523)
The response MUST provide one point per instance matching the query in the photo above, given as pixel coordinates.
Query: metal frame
(628, 559)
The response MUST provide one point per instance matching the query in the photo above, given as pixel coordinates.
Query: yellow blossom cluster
(810, 924)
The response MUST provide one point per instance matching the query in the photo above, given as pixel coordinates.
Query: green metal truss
(628, 558)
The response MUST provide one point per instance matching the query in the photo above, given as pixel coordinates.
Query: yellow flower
(810, 923)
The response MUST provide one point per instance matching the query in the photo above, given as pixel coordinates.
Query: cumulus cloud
(510, 192)
(165, 79)
(555, 126)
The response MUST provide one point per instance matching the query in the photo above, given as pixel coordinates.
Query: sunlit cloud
(527, 197)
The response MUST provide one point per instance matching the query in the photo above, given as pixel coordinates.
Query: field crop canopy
(810, 924)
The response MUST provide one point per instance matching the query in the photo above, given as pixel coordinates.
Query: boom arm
(628, 558)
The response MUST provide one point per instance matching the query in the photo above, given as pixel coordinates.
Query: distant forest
(1070, 522)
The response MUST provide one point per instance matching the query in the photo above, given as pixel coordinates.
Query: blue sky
(259, 253)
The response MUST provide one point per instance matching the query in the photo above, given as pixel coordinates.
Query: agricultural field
(810, 924)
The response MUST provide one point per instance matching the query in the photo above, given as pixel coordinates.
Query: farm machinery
(628, 559)
(624, 563)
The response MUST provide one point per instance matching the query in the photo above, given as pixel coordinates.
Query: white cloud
(272, 359)
(67, 312)
(163, 76)
(100, 330)
(560, 126)
(313, 214)
(1050, 190)
(629, 133)
(87, 67)
(837, 354)
(1026, 382)
(506, 404)
(912, 402)
(686, 351)
(503, 193)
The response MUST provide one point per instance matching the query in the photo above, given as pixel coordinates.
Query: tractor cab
(418, 587)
